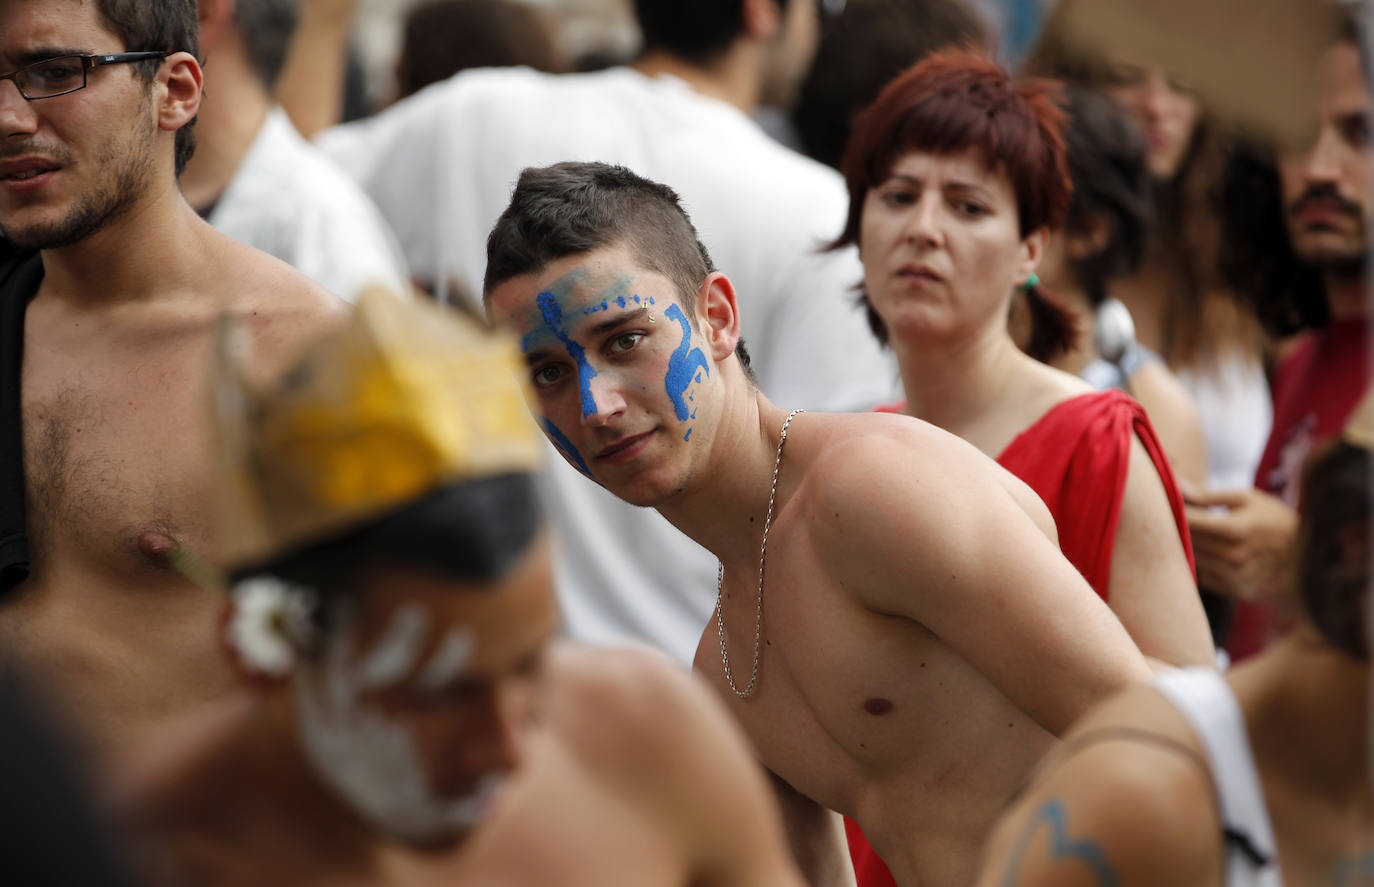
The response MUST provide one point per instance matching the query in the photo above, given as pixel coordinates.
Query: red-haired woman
(957, 175)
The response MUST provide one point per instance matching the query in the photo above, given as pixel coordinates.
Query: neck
(734, 78)
(1303, 681)
(143, 253)
(231, 115)
(1347, 292)
(725, 506)
(952, 385)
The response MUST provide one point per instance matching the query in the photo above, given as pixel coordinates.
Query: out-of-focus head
(624, 322)
(702, 31)
(1334, 538)
(863, 48)
(956, 175)
(442, 37)
(1327, 204)
(265, 28)
(391, 574)
(1108, 226)
(1167, 114)
(92, 140)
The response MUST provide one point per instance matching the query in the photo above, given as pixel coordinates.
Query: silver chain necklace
(758, 601)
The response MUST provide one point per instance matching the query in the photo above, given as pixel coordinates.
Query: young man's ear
(718, 315)
(179, 84)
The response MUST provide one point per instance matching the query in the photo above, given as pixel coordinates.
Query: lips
(625, 449)
(25, 168)
(919, 274)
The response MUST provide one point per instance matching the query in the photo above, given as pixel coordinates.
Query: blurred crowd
(1022, 346)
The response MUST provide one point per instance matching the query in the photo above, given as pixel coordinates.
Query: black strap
(20, 275)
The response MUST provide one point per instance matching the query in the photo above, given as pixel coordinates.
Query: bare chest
(116, 451)
(858, 709)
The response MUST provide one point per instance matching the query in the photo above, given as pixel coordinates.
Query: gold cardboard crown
(400, 399)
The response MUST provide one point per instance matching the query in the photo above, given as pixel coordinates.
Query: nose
(498, 744)
(1322, 163)
(602, 397)
(923, 221)
(16, 112)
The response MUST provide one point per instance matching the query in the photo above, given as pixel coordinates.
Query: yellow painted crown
(400, 399)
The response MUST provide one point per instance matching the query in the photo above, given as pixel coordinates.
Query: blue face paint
(685, 363)
(688, 435)
(565, 446)
(553, 317)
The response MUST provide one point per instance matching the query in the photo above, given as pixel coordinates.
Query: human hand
(1243, 540)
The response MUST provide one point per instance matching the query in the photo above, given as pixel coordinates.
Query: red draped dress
(1075, 457)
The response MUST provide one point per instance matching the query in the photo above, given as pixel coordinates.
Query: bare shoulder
(897, 477)
(1126, 799)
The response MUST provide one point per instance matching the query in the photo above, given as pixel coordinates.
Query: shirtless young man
(122, 282)
(919, 640)
(414, 721)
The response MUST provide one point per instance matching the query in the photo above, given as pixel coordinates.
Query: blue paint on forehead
(685, 363)
(553, 318)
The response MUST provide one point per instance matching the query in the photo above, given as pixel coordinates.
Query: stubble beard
(130, 164)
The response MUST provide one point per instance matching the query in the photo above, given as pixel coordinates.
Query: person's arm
(1243, 540)
(1174, 415)
(932, 530)
(1120, 812)
(815, 836)
(1151, 589)
(311, 85)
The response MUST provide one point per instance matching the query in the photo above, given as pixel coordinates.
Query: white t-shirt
(289, 200)
(1237, 410)
(441, 166)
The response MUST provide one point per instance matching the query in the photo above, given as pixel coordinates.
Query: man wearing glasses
(110, 289)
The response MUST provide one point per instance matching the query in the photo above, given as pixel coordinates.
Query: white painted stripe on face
(396, 651)
(449, 660)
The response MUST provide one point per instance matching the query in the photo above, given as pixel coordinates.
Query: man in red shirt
(1326, 206)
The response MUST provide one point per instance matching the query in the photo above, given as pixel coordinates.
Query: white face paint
(448, 661)
(397, 650)
(369, 760)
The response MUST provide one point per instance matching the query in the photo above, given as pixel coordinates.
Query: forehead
(29, 27)
(575, 289)
(508, 619)
(1342, 82)
(967, 167)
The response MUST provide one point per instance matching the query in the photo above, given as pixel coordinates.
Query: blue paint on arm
(553, 317)
(688, 435)
(565, 446)
(683, 365)
(1062, 847)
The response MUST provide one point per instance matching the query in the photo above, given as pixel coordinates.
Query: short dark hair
(956, 101)
(473, 532)
(572, 208)
(266, 26)
(157, 25)
(1334, 550)
(863, 48)
(1111, 181)
(442, 37)
(698, 31)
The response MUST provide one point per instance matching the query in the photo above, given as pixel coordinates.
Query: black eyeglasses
(67, 73)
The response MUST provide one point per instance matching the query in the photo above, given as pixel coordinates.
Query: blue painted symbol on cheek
(683, 365)
(553, 317)
(688, 435)
(565, 446)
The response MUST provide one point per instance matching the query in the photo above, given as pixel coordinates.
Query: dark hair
(442, 37)
(957, 101)
(473, 532)
(1111, 182)
(151, 25)
(1334, 549)
(572, 208)
(865, 46)
(1255, 255)
(698, 31)
(266, 26)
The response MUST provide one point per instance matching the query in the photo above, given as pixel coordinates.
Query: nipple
(157, 546)
(878, 706)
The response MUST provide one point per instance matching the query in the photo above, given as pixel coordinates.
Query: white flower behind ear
(270, 624)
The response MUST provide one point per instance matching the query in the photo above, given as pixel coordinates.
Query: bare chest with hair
(866, 713)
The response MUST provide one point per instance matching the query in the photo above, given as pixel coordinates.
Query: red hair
(956, 101)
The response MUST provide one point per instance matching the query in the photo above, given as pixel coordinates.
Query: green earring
(1031, 282)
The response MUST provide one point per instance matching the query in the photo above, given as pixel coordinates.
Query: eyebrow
(43, 53)
(599, 328)
(955, 185)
